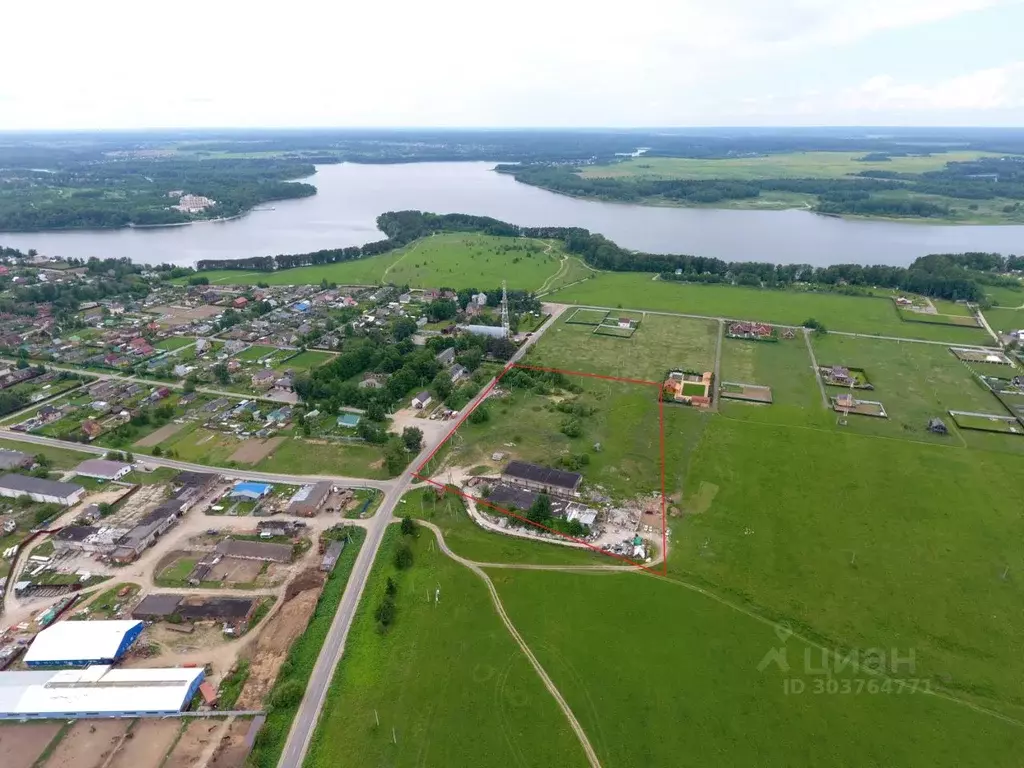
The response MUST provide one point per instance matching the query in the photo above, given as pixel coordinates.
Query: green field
(659, 344)
(254, 353)
(660, 675)
(446, 682)
(853, 314)
(1005, 320)
(302, 457)
(443, 260)
(998, 422)
(789, 165)
(174, 342)
(785, 367)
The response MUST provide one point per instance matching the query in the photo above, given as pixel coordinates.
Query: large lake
(351, 196)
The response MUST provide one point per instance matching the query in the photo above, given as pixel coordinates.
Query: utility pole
(504, 310)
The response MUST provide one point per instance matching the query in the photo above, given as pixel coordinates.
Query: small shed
(422, 400)
(937, 426)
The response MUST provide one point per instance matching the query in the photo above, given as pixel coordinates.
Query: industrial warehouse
(97, 691)
(80, 644)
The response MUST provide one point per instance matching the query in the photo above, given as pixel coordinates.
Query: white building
(97, 691)
(82, 643)
(45, 491)
(102, 469)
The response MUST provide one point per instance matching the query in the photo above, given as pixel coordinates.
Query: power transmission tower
(505, 311)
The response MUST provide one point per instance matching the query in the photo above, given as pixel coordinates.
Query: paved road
(235, 473)
(316, 690)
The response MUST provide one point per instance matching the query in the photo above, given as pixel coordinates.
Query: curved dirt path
(588, 749)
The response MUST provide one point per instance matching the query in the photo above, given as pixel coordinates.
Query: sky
(125, 64)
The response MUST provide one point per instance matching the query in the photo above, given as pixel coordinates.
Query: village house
(263, 379)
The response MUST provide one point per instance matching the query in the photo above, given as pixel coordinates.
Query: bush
(408, 526)
(480, 415)
(288, 694)
(385, 615)
(403, 557)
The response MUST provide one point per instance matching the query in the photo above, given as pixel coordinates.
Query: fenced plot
(753, 393)
(621, 326)
(583, 316)
(972, 355)
(986, 422)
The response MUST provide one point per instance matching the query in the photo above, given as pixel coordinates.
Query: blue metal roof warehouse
(82, 643)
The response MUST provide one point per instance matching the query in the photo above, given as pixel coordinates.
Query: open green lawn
(854, 314)
(447, 678)
(784, 366)
(1004, 297)
(659, 344)
(174, 342)
(254, 353)
(914, 382)
(788, 165)
(469, 540)
(660, 675)
(201, 446)
(322, 457)
(177, 571)
(865, 542)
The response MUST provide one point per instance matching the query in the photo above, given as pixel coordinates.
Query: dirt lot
(193, 742)
(252, 451)
(232, 750)
(138, 504)
(88, 744)
(146, 744)
(176, 315)
(277, 636)
(236, 571)
(22, 743)
(750, 392)
(155, 438)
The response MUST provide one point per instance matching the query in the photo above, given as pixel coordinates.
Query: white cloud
(125, 63)
(997, 88)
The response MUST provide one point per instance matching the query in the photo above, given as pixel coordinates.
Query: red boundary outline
(661, 439)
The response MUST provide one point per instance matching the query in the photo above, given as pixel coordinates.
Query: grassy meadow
(660, 675)
(787, 165)
(785, 366)
(451, 260)
(446, 677)
(852, 314)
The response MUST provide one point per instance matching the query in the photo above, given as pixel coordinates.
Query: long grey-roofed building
(103, 469)
(158, 606)
(545, 479)
(255, 550)
(46, 491)
(309, 498)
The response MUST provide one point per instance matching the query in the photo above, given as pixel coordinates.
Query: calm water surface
(351, 196)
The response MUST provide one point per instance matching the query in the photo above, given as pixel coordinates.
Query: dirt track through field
(588, 749)
(88, 744)
(146, 744)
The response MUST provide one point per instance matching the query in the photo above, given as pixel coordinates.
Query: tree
(540, 510)
(413, 438)
(572, 428)
(157, 450)
(391, 589)
(42, 460)
(190, 385)
(403, 557)
(403, 328)
(479, 415)
(408, 526)
(288, 694)
(385, 614)
(198, 280)
(221, 373)
(395, 456)
(129, 458)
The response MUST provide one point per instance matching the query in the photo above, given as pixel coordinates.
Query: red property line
(418, 474)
